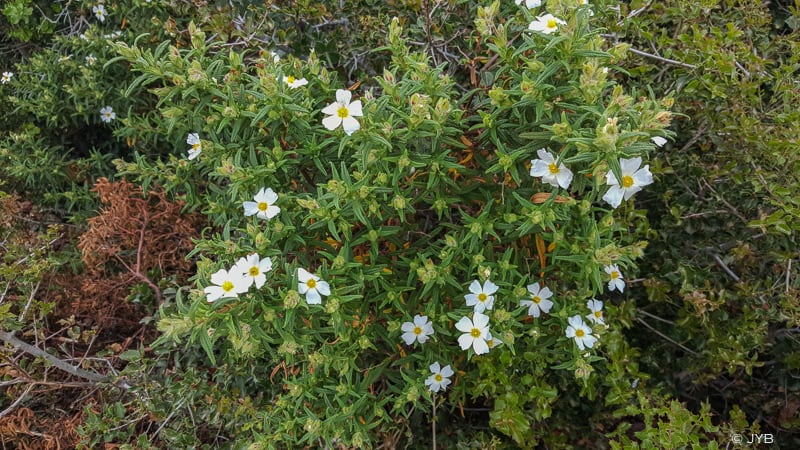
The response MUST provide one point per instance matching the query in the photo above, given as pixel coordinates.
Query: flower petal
(313, 297)
(349, 124)
(465, 341)
(614, 196)
(331, 122)
(343, 96)
(355, 108)
(331, 109)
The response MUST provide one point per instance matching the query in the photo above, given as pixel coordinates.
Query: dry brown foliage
(136, 238)
(25, 430)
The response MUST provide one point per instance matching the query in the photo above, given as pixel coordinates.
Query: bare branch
(9, 338)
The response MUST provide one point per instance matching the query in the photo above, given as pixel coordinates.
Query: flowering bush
(416, 223)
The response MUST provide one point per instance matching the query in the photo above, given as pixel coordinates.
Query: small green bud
(413, 394)
(338, 262)
(332, 305)
(292, 299)
(399, 202)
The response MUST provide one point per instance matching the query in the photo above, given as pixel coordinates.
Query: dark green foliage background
(710, 323)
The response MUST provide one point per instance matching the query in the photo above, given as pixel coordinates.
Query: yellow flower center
(627, 181)
(475, 333)
(311, 283)
(438, 377)
(481, 297)
(227, 286)
(262, 206)
(343, 112)
(290, 79)
(490, 343)
(598, 314)
(196, 146)
(537, 299)
(580, 333)
(614, 274)
(254, 271)
(417, 330)
(551, 23)
(553, 168)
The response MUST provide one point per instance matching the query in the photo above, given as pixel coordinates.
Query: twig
(16, 402)
(344, 21)
(641, 311)
(635, 12)
(725, 202)
(725, 267)
(66, 367)
(661, 58)
(30, 299)
(788, 273)
(667, 338)
(433, 421)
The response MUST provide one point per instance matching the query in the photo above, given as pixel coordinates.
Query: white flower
(616, 281)
(253, 269)
(596, 307)
(530, 4)
(342, 112)
(193, 139)
(90, 60)
(552, 173)
(264, 205)
(440, 378)
(295, 82)
(419, 330)
(312, 286)
(6, 77)
(476, 333)
(633, 180)
(581, 332)
(275, 57)
(658, 140)
(227, 284)
(546, 24)
(481, 297)
(107, 114)
(539, 302)
(493, 342)
(99, 12)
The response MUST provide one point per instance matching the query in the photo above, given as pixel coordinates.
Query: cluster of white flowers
(252, 270)
(634, 177)
(248, 271)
